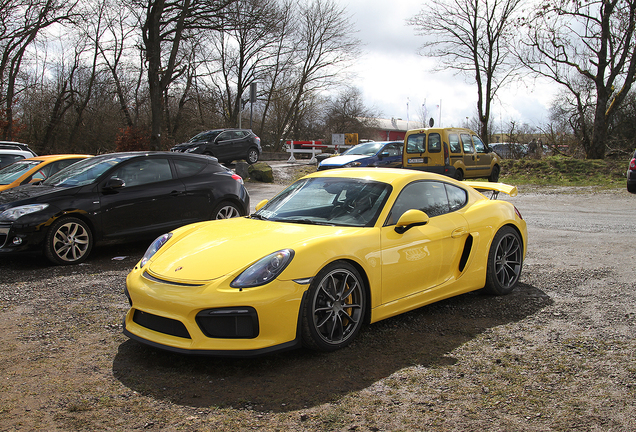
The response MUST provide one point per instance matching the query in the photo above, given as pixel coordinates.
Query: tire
(226, 210)
(459, 175)
(335, 307)
(252, 156)
(505, 260)
(68, 241)
(494, 174)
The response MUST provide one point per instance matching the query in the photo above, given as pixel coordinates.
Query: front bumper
(213, 319)
(15, 239)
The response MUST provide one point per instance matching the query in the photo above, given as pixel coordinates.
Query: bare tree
(587, 46)
(473, 37)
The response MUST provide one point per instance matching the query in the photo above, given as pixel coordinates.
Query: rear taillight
(518, 212)
(238, 178)
(632, 164)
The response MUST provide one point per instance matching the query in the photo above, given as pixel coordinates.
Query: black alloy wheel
(505, 261)
(335, 307)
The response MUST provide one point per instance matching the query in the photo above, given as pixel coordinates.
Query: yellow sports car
(35, 169)
(333, 251)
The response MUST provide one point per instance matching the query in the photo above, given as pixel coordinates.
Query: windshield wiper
(257, 216)
(305, 221)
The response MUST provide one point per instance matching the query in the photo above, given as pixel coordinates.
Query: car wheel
(505, 260)
(334, 309)
(69, 241)
(226, 210)
(459, 175)
(252, 156)
(494, 174)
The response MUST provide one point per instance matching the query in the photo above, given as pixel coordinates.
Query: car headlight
(153, 248)
(15, 213)
(191, 149)
(264, 270)
(352, 164)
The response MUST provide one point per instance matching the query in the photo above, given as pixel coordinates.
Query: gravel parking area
(558, 354)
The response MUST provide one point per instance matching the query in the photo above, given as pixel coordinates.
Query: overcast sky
(392, 74)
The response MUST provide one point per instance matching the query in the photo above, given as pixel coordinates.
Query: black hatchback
(117, 196)
(226, 145)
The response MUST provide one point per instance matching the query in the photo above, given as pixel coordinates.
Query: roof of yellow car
(58, 156)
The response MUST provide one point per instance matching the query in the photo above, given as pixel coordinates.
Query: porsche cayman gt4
(335, 250)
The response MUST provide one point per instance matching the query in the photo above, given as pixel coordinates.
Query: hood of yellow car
(215, 249)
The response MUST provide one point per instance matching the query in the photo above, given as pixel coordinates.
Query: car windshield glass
(11, 173)
(83, 172)
(368, 149)
(205, 136)
(328, 201)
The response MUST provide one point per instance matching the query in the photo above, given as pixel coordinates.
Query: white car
(12, 151)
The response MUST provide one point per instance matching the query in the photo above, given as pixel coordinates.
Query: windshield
(328, 201)
(12, 172)
(83, 172)
(367, 149)
(205, 136)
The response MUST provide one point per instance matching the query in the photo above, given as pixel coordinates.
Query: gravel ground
(557, 354)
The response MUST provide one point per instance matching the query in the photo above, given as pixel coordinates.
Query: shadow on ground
(300, 379)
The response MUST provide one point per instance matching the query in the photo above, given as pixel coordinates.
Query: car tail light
(518, 212)
(632, 164)
(238, 178)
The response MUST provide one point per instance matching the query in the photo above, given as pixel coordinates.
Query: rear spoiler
(495, 188)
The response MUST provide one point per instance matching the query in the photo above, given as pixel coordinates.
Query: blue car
(386, 154)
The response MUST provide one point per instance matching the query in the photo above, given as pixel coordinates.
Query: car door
(391, 156)
(150, 199)
(228, 146)
(423, 257)
(469, 154)
(483, 157)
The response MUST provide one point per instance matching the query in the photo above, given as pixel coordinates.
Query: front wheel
(494, 174)
(69, 241)
(505, 260)
(226, 210)
(334, 309)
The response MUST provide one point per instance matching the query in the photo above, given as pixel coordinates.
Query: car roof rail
(9, 145)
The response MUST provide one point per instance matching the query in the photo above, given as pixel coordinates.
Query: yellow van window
(479, 145)
(415, 143)
(434, 143)
(467, 143)
(453, 140)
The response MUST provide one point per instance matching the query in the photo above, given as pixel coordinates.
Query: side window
(467, 143)
(453, 140)
(415, 143)
(479, 145)
(141, 172)
(186, 168)
(393, 150)
(428, 196)
(456, 197)
(434, 143)
(225, 136)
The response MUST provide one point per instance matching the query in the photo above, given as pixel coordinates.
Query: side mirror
(261, 204)
(384, 154)
(410, 219)
(114, 183)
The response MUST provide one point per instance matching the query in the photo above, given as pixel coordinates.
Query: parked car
(631, 175)
(226, 145)
(454, 152)
(14, 151)
(118, 196)
(36, 169)
(334, 250)
(387, 154)
(509, 150)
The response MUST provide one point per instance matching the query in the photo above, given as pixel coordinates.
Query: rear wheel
(459, 175)
(252, 156)
(226, 210)
(505, 260)
(69, 241)
(334, 309)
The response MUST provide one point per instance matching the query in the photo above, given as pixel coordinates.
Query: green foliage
(564, 171)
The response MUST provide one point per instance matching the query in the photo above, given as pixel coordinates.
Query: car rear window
(415, 143)
(187, 168)
(434, 143)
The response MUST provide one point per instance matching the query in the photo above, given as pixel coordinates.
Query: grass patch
(564, 171)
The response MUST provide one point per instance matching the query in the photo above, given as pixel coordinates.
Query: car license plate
(416, 160)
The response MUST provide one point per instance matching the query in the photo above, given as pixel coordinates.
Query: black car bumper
(631, 181)
(17, 239)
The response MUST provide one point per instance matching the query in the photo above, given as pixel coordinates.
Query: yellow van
(455, 152)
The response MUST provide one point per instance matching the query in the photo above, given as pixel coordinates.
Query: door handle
(459, 232)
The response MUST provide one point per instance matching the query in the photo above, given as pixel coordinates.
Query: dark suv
(631, 175)
(226, 145)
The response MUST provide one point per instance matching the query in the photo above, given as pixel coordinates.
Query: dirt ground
(558, 354)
